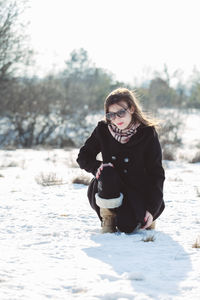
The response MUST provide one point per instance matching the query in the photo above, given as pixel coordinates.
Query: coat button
(113, 157)
(126, 159)
(125, 171)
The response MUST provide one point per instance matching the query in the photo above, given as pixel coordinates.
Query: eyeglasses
(120, 113)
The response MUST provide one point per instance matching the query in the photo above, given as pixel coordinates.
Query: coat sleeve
(87, 154)
(156, 174)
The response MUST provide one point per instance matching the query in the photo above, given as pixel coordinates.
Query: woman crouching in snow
(127, 190)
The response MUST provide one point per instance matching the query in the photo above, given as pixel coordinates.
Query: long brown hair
(129, 97)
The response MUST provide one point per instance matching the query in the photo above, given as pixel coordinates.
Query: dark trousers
(109, 185)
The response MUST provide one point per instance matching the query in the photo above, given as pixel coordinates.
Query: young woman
(127, 190)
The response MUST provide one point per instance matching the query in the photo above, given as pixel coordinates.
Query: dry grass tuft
(82, 179)
(71, 162)
(13, 164)
(196, 159)
(150, 238)
(197, 243)
(48, 179)
(168, 154)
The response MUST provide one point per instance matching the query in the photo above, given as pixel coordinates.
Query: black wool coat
(138, 162)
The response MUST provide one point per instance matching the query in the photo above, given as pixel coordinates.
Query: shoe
(108, 223)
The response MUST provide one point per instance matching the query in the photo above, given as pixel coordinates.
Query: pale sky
(130, 38)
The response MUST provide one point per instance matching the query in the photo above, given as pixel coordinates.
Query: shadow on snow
(153, 268)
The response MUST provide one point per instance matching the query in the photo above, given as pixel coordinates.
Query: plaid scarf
(123, 135)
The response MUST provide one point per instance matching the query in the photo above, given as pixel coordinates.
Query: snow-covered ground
(51, 246)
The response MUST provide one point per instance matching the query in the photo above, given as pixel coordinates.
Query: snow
(51, 246)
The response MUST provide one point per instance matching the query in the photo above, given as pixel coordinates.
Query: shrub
(48, 179)
(196, 159)
(170, 132)
(82, 179)
(198, 192)
(168, 154)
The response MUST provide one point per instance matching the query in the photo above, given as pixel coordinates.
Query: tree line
(35, 107)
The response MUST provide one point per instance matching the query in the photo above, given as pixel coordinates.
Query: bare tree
(31, 111)
(13, 39)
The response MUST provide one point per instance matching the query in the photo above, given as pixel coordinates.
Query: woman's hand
(148, 219)
(99, 170)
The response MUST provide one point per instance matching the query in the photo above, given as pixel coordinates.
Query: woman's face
(125, 114)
